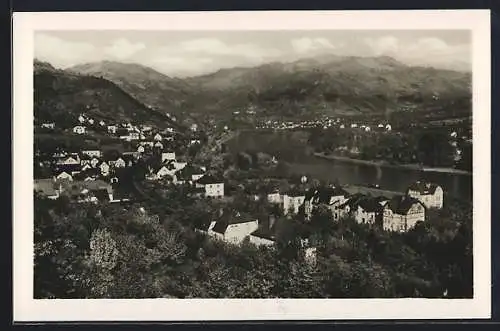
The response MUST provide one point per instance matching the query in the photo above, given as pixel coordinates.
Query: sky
(191, 53)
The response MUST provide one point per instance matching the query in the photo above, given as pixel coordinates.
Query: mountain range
(324, 85)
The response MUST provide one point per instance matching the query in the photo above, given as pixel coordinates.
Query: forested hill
(154, 89)
(325, 85)
(61, 96)
(334, 85)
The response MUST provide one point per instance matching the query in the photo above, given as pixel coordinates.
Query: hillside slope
(61, 96)
(334, 84)
(154, 89)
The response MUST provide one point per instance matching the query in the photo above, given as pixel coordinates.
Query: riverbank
(397, 166)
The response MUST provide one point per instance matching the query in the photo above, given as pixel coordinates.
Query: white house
(79, 129)
(368, 211)
(119, 163)
(91, 121)
(275, 197)
(81, 119)
(104, 169)
(158, 145)
(233, 228)
(214, 187)
(70, 160)
(402, 213)
(112, 129)
(102, 123)
(388, 127)
(157, 137)
(94, 162)
(64, 175)
(292, 202)
(179, 165)
(167, 156)
(430, 194)
(48, 125)
(140, 149)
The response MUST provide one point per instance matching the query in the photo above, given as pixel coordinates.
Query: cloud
(216, 47)
(307, 45)
(423, 51)
(387, 45)
(61, 53)
(123, 49)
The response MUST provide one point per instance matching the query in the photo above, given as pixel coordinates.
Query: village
(90, 175)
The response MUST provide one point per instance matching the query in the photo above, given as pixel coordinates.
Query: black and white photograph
(296, 163)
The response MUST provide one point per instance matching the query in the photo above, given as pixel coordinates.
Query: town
(91, 175)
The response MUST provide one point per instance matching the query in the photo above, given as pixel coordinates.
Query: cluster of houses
(399, 213)
(322, 123)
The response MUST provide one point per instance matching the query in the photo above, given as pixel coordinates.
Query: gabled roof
(229, 218)
(324, 194)
(209, 179)
(188, 171)
(370, 205)
(401, 204)
(295, 192)
(423, 187)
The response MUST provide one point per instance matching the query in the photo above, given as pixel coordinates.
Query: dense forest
(152, 250)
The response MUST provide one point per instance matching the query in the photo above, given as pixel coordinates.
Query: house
(88, 191)
(104, 167)
(79, 129)
(112, 129)
(92, 153)
(102, 123)
(64, 176)
(158, 145)
(167, 156)
(94, 162)
(331, 197)
(401, 213)
(81, 119)
(275, 197)
(292, 201)
(69, 160)
(91, 121)
(157, 137)
(162, 172)
(119, 163)
(214, 187)
(134, 136)
(233, 227)
(48, 125)
(179, 164)
(140, 149)
(369, 211)
(388, 127)
(188, 174)
(430, 194)
(194, 142)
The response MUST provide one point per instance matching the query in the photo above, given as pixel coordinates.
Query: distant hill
(333, 84)
(323, 85)
(154, 89)
(61, 96)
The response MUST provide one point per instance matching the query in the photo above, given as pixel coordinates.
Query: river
(392, 179)
(291, 147)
